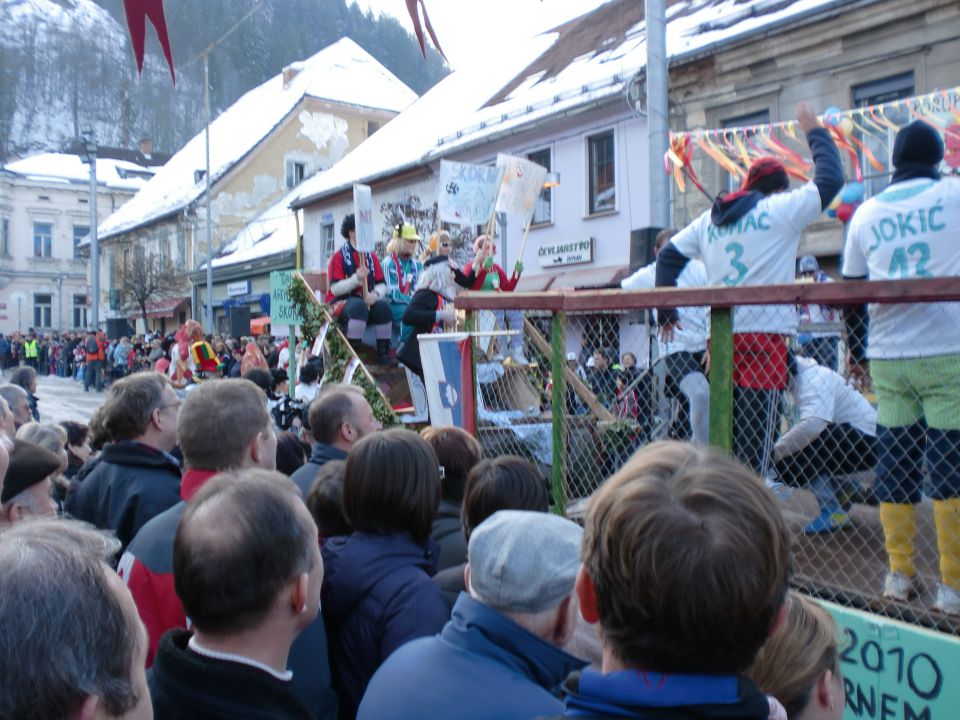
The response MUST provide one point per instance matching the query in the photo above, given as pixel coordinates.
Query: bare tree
(147, 279)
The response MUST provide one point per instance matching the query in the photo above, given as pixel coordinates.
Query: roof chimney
(146, 147)
(290, 72)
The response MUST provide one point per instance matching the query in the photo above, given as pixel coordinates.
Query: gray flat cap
(522, 561)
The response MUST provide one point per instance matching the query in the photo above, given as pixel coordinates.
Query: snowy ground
(64, 399)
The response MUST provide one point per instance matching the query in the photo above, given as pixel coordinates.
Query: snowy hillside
(66, 64)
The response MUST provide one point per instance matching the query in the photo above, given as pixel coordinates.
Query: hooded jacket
(321, 454)
(771, 235)
(130, 484)
(490, 666)
(186, 685)
(447, 531)
(657, 696)
(377, 595)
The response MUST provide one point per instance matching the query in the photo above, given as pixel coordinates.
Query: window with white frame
(879, 138)
(5, 237)
(79, 233)
(543, 210)
(760, 117)
(296, 171)
(327, 240)
(601, 164)
(42, 239)
(42, 310)
(79, 311)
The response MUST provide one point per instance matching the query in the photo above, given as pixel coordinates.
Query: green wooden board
(282, 311)
(895, 671)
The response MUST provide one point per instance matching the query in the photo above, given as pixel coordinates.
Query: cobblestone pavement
(64, 399)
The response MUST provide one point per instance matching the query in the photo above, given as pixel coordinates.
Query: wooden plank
(578, 385)
(848, 292)
(509, 301)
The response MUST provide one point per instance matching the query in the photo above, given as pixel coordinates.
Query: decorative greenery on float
(314, 315)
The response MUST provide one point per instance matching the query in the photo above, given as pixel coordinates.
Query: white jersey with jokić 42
(910, 230)
(758, 249)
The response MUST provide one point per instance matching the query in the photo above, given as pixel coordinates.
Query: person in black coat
(430, 308)
(136, 477)
(247, 567)
(377, 589)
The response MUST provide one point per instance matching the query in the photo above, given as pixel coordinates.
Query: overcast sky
(469, 28)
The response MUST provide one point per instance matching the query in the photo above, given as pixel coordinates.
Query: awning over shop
(589, 277)
(166, 308)
(263, 299)
(258, 326)
(537, 283)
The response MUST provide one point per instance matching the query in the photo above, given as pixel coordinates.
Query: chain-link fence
(865, 464)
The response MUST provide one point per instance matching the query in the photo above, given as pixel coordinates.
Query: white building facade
(44, 216)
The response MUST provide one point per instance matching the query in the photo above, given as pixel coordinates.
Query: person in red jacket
(357, 292)
(489, 276)
(223, 427)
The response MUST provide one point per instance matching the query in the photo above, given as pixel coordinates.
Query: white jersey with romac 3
(760, 248)
(910, 230)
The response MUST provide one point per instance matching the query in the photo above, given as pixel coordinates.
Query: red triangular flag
(418, 29)
(137, 11)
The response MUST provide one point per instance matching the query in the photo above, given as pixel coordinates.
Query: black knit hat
(917, 144)
(29, 464)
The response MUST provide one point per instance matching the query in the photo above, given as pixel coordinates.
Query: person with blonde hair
(401, 269)
(800, 663)
(438, 244)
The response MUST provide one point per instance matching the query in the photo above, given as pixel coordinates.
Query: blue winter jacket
(321, 454)
(377, 595)
(483, 665)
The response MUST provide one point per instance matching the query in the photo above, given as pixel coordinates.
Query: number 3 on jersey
(736, 252)
(918, 253)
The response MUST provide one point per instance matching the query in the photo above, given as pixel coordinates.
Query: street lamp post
(90, 156)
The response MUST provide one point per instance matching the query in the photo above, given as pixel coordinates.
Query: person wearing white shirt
(685, 352)
(912, 230)
(834, 435)
(308, 388)
(750, 237)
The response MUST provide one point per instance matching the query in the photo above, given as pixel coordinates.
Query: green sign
(282, 311)
(895, 671)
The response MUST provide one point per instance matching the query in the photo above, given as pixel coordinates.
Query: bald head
(242, 538)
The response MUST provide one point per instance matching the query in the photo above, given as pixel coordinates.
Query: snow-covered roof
(64, 168)
(275, 231)
(586, 61)
(342, 72)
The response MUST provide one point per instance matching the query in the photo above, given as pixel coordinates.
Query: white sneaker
(519, 358)
(948, 600)
(900, 586)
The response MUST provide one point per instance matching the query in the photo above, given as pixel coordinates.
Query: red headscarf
(760, 169)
